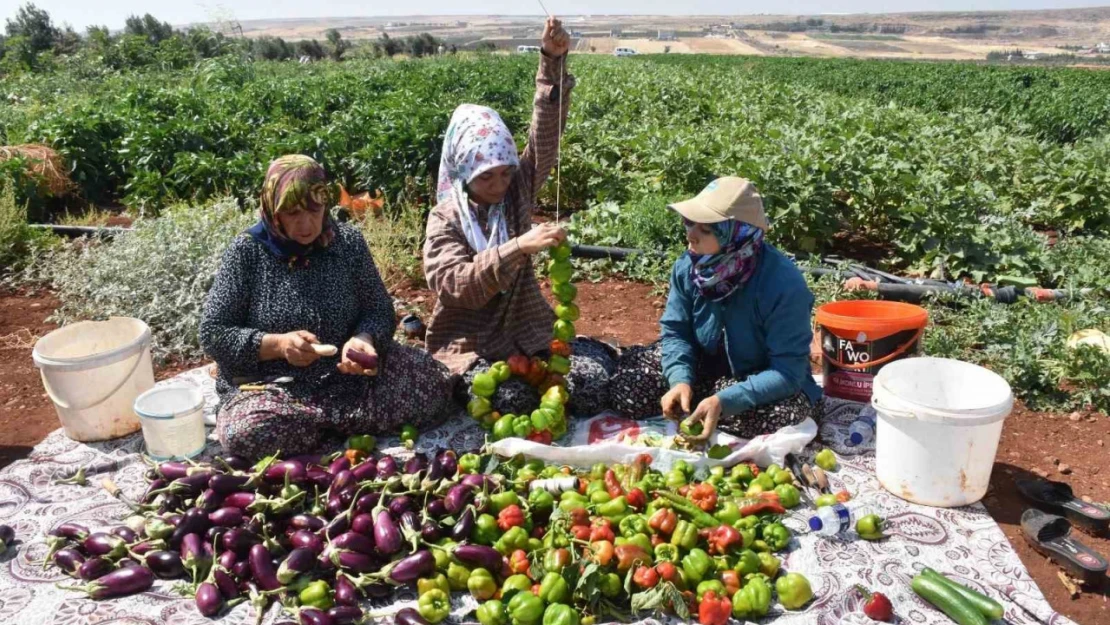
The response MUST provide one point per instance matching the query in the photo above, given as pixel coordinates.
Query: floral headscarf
(293, 181)
(718, 275)
(477, 140)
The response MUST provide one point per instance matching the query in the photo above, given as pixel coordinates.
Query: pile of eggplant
(272, 531)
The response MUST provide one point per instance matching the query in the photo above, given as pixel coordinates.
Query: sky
(112, 13)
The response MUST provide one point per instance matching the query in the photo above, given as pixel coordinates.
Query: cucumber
(943, 598)
(989, 607)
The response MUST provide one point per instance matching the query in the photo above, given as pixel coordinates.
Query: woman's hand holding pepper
(679, 397)
(707, 413)
(541, 237)
(361, 343)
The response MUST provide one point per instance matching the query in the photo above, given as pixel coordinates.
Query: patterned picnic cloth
(964, 543)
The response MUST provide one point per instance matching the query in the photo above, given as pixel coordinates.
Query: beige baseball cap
(725, 198)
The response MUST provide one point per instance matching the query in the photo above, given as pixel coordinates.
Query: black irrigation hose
(81, 231)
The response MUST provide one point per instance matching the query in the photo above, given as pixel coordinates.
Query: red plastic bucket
(859, 337)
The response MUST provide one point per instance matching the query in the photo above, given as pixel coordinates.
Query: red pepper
(766, 502)
(644, 459)
(666, 571)
(580, 516)
(723, 539)
(543, 438)
(602, 529)
(704, 496)
(581, 532)
(645, 577)
(657, 540)
(354, 456)
(755, 469)
(683, 490)
(843, 496)
(539, 531)
(583, 485)
(518, 562)
(663, 521)
(714, 610)
(731, 580)
(612, 484)
(510, 517)
(560, 348)
(876, 606)
(636, 499)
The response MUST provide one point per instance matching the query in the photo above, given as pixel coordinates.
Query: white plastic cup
(939, 424)
(172, 418)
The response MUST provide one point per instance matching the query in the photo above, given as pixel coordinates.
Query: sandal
(1049, 535)
(1058, 498)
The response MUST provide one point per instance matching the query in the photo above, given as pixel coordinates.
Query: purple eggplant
(227, 559)
(343, 479)
(209, 599)
(94, 568)
(72, 531)
(103, 544)
(237, 463)
(299, 562)
(225, 484)
(312, 616)
(309, 460)
(152, 488)
(365, 470)
(362, 359)
(401, 504)
(324, 565)
(239, 540)
(194, 521)
(367, 502)
(436, 509)
(193, 556)
(209, 501)
(354, 561)
(165, 564)
(410, 522)
(241, 500)
(304, 539)
(341, 523)
(146, 546)
(226, 583)
(69, 560)
(241, 570)
(262, 569)
(346, 593)
(478, 556)
(387, 538)
(339, 465)
(335, 505)
(363, 524)
(345, 614)
(457, 498)
(354, 542)
(307, 522)
(320, 477)
(409, 616)
(464, 526)
(279, 470)
(226, 517)
(415, 464)
(448, 462)
(193, 483)
(126, 533)
(387, 467)
(431, 531)
(173, 519)
(120, 582)
(477, 481)
(173, 470)
(215, 535)
(408, 570)
(375, 592)
(129, 562)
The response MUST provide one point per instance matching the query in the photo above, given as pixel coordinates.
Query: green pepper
(527, 474)
(317, 595)
(685, 535)
(428, 583)
(711, 585)
(794, 590)
(613, 508)
(783, 477)
(571, 500)
(747, 536)
(409, 433)
(747, 562)
(500, 501)
(443, 556)
(362, 442)
(870, 527)
(516, 582)
(789, 496)
(751, 601)
(728, 513)
(686, 468)
(550, 471)
(611, 585)
(651, 482)
(434, 606)
(522, 427)
(470, 463)
(634, 524)
(481, 584)
(666, 552)
(559, 364)
(503, 427)
(747, 523)
(535, 464)
(541, 421)
(825, 500)
(597, 472)
(555, 540)
(559, 614)
(525, 609)
(485, 530)
(492, 612)
(769, 565)
(457, 575)
(696, 566)
(515, 538)
(595, 486)
(534, 544)
(765, 481)
(554, 589)
(825, 459)
(723, 562)
(675, 479)
(772, 469)
(639, 540)
(742, 473)
(555, 560)
(599, 496)
(777, 536)
(500, 371)
(541, 502)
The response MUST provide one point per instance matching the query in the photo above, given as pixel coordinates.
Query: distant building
(666, 35)
(615, 33)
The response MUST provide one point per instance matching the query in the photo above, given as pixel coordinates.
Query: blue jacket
(767, 333)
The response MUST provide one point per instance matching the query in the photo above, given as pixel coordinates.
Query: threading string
(559, 141)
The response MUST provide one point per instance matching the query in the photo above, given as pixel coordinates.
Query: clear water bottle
(862, 429)
(836, 520)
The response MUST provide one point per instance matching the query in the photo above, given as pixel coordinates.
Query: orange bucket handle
(882, 361)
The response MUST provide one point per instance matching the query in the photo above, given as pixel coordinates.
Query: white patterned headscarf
(477, 140)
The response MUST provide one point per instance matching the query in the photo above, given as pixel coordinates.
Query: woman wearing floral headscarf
(294, 280)
(736, 330)
(480, 237)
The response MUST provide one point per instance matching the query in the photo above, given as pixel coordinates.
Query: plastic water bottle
(862, 429)
(836, 519)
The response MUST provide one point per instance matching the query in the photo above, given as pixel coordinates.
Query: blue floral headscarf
(718, 275)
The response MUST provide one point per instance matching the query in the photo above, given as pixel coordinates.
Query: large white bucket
(173, 421)
(93, 371)
(938, 429)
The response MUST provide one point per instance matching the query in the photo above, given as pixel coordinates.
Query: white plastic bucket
(92, 371)
(173, 421)
(938, 429)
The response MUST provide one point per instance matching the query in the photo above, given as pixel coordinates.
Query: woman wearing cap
(480, 238)
(296, 280)
(735, 334)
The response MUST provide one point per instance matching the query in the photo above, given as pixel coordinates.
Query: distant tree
(271, 49)
(312, 49)
(19, 55)
(388, 46)
(148, 26)
(175, 53)
(207, 44)
(36, 26)
(338, 44)
(98, 35)
(486, 46)
(68, 41)
(422, 45)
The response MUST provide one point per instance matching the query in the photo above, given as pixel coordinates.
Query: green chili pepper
(485, 530)
(434, 605)
(728, 513)
(558, 614)
(500, 501)
(687, 508)
(541, 502)
(613, 508)
(666, 552)
(696, 566)
(428, 583)
(554, 589)
(493, 612)
(685, 535)
(525, 609)
(747, 562)
(470, 463)
(634, 524)
(639, 540)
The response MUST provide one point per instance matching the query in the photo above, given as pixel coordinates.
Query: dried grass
(43, 163)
